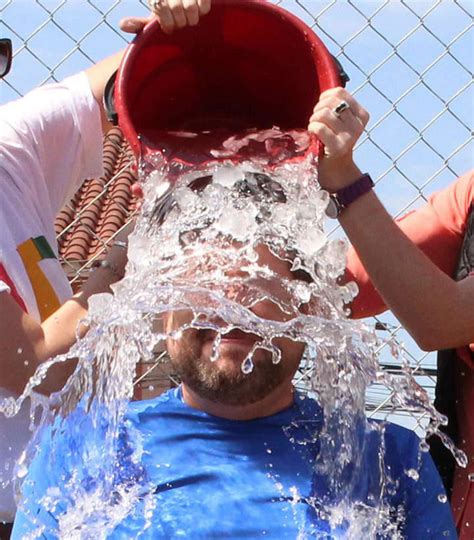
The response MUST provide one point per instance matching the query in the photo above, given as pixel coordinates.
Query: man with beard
(231, 453)
(235, 455)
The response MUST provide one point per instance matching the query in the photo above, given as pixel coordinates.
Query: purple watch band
(344, 197)
(350, 193)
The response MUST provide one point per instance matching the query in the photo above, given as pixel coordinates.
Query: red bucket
(248, 64)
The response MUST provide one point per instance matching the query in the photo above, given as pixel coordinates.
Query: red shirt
(438, 229)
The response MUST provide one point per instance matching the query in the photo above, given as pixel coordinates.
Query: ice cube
(227, 176)
(240, 224)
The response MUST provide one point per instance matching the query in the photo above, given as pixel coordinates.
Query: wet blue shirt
(201, 477)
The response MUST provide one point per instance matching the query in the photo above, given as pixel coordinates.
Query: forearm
(436, 310)
(25, 344)
(432, 306)
(62, 329)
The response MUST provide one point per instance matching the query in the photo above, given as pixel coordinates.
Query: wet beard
(214, 382)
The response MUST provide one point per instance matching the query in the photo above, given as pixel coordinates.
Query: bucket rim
(322, 58)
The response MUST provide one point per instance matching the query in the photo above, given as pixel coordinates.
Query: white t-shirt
(50, 141)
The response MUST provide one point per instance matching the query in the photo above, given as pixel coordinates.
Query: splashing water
(205, 254)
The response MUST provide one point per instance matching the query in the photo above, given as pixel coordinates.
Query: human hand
(171, 14)
(118, 247)
(339, 132)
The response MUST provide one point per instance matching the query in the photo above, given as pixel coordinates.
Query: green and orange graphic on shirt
(32, 252)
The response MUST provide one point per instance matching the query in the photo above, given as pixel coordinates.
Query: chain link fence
(410, 64)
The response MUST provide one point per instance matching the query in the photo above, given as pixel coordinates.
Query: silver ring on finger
(343, 106)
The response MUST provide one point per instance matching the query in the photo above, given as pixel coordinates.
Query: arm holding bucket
(436, 310)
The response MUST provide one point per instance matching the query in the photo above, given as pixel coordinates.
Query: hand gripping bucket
(248, 64)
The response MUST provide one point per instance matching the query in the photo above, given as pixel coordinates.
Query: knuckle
(315, 115)
(313, 126)
(348, 140)
(327, 114)
(328, 94)
(180, 18)
(340, 148)
(340, 92)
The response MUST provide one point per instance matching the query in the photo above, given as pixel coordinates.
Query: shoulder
(463, 192)
(465, 186)
(394, 431)
(402, 446)
(403, 435)
(454, 203)
(27, 117)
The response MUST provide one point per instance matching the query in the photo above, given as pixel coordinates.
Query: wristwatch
(345, 196)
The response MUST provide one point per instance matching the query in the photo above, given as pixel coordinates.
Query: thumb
(133, 25)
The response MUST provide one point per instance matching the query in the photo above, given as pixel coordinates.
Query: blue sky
(410, 63)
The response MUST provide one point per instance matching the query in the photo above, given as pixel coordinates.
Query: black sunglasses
(6, 54)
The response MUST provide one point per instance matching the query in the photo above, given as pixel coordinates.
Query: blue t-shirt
(197, 476)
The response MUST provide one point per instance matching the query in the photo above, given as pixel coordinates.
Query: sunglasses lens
(5, 56)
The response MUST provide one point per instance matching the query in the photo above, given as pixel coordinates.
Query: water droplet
(247, 365)
(470, 477)
(442, 498)
(21, 471)
(413, 474)
(215, 348)
(162, 188)
(424, 446)
(269, 451)
(276, 356)
(19, 350)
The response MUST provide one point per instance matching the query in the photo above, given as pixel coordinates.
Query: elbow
(426, 344)
(429, 340)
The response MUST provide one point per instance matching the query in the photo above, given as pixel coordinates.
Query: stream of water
(199, 260)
